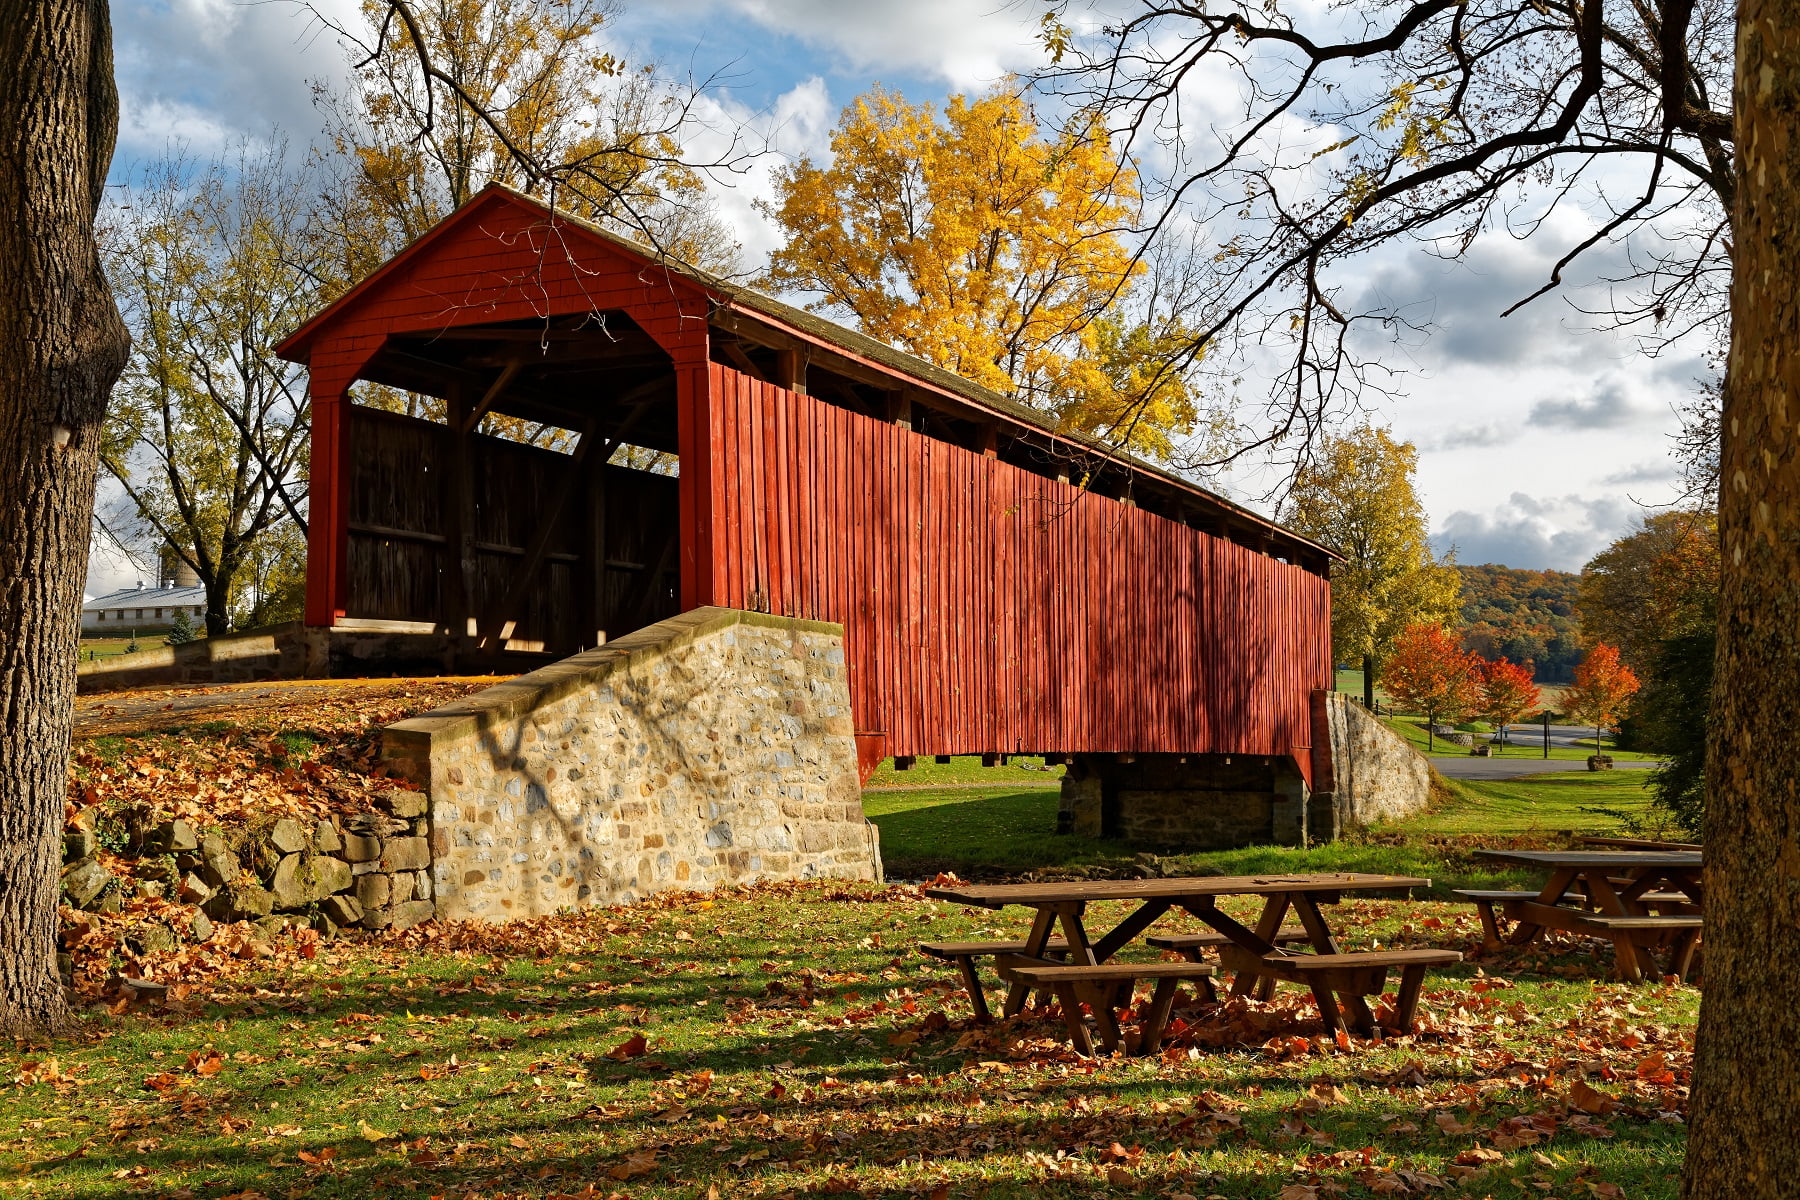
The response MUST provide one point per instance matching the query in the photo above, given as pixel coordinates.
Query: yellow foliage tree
(1357, 497)
(534, 86)
(992, 248)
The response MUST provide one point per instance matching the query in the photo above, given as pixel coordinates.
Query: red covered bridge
(990, 605)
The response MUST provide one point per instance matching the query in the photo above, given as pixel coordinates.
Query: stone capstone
(376, 824)
(326, 839)
(84, 882)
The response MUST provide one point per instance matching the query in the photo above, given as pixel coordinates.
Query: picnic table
(1079, 968)
(1640, 899)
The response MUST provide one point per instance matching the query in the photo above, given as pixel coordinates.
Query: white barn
(142, 609)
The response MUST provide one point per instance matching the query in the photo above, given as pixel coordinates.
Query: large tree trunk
(1369, 682)
(62, 345)
(1747, 1066)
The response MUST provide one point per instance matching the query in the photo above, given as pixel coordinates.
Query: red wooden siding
(988, 609)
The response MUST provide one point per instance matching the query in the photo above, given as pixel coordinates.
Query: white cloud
(209, 71)
(1609, 405)
(1559, 532)
(968, 44)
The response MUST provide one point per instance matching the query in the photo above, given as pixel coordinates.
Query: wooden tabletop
(999, 895)
(1595, 858)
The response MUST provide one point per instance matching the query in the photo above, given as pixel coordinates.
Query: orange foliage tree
(1602, 688)
(1430, 672)
(1507, 693)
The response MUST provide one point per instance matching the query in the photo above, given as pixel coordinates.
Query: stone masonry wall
(1186, 802)
(1378, 777)
(712, 748)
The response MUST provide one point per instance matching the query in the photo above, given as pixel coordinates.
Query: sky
(1540, 440)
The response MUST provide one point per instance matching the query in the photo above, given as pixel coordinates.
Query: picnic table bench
(1081, 968)
(1639, 899)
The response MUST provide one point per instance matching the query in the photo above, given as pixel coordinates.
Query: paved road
(1468, 766)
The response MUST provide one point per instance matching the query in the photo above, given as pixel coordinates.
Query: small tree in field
(181, 631)
(1507, 693)
(1603, 687)
(1431, 673)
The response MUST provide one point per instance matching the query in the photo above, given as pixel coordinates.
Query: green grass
(1413, 730)
(148, 638)
(988, 835)
(965, 769)
(1556, 802)
(999, 832)
(796, 1044)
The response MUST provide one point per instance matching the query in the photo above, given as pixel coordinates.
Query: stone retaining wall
(712, 748)
(1378, 777)
(371, 870)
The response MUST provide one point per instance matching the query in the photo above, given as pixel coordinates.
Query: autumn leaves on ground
(782, 1040)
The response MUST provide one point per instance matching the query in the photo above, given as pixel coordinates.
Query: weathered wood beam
(790, 369)
(741, 360)
(495, 625)
(400, 535)
(459, 524)
(640, 606)
(494, 392)
(900, 408)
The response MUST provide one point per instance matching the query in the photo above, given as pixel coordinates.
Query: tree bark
(1369, 682)
(62, 346)
(1746, 1085)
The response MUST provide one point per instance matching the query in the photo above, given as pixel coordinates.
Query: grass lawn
(111, 647)
(1556, 802)
(789, 1041)
(1413, 730)
(966, 769)
(1003, 832)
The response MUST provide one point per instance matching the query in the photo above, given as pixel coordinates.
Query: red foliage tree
(1507, 693)
(1602, 688)
(1431, 673)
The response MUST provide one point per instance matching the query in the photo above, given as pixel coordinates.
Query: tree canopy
(1430, 673)
(213, 263)
(991, 246)
(447, 96)
(1332, 131)
(1523, 615)
(1659, 582)
(1357, 498)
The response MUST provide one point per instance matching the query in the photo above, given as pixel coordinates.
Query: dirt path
(151, 709)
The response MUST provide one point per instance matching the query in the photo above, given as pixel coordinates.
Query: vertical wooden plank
(693, 390)
(328, 532)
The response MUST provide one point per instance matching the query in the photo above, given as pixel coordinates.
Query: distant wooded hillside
(1523, 615)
